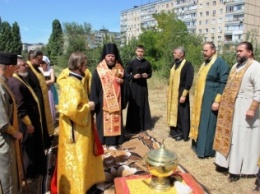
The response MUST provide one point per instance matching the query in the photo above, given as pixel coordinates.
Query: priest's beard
(177, 60)
(241, 59)
(24, 74)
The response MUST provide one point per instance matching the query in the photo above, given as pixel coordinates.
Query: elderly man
(29, 121)
(106, 92)
(237, 139)
(178, 105)
(210, 83)
(10, 165)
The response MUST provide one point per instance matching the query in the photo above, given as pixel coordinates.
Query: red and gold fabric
(111, 98)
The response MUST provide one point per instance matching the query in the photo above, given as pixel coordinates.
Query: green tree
(6, 37)
(169, 34)
(127, 51)
(56, 41)
(16, 44)
(76, 37)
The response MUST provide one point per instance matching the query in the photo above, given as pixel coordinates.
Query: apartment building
(221, 21)
(133, 20)
(98, 37)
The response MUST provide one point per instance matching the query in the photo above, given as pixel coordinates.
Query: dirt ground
(202, 169)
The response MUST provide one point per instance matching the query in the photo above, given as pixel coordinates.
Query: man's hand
(215, 106)
(250, 114)
(119, 80)
(91, 105)
(18, 135)
(145, 75)
(182, 99)
(30, 128)
(137, 76)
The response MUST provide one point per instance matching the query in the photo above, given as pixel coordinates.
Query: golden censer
(161, 163)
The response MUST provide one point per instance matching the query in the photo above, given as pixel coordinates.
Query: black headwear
(8, 58)
(110, 48)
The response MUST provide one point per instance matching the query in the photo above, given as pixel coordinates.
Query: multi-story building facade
(98, 37)
(220, 21)
(28, 47)
(133, 20)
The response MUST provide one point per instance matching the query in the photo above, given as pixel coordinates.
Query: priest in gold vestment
(237, 138)
(78, 168)
(86, 79)
(178, 102)
(210, 83)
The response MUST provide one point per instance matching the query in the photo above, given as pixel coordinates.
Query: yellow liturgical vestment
(78, 168)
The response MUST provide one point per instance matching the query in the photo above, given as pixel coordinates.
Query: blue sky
(35, 17)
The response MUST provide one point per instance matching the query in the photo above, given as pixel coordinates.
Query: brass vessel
(161, 163)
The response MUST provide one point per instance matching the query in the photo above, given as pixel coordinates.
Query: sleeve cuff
(10, 130)
(217, 98)
(27, 120)
(185, 93)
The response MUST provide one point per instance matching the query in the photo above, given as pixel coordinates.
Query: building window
(206, 21)
(200, 31)
(206, 30)
(219, 29)
(214, 12)
(213, 21)
(200, 23)
(207, 4)
(214, 3)
(207, 13)
(212, 30)
(219, 20)
(221, 11)
(201, 14)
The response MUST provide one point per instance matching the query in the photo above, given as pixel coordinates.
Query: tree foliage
(159, 42)
(6, 37)
(10, 38)
(16, 44)
(76, 37)
(56, 42)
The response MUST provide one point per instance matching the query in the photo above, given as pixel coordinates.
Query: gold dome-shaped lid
(161, 156)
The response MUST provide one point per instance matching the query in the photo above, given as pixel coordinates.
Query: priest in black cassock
(138, 113)
(107, 91)
(178, 103)
(39, 86)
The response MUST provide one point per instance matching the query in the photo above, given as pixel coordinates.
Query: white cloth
(245, 146)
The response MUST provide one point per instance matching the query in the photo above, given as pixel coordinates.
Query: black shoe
(187, 139)
(233, 177)
(179, 138)
(221, 169)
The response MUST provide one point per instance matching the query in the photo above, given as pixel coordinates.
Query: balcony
(234, 2)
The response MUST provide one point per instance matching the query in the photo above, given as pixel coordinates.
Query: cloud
(24, 28)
